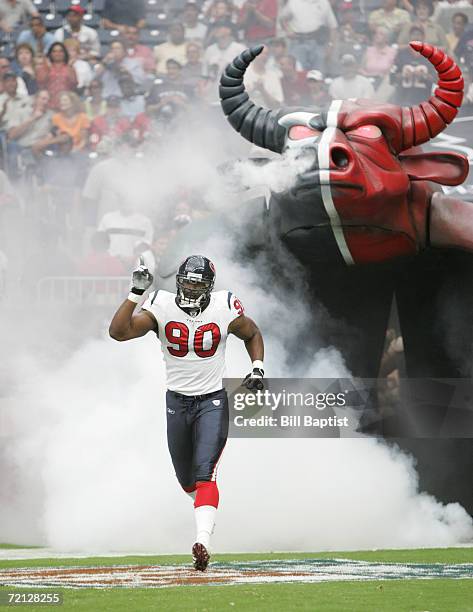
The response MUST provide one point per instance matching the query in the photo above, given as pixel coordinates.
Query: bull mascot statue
(368, 224)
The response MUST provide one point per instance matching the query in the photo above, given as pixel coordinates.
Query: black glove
(254, 380)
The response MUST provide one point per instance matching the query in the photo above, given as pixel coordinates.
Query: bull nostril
(340, 158)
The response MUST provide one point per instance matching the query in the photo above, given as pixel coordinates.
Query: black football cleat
(201, 557)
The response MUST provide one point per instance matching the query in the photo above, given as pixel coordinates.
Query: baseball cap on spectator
(76, 8)
(348, 59)
(9, 75)
(314, 75)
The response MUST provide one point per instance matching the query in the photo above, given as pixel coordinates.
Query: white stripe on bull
(323, 152)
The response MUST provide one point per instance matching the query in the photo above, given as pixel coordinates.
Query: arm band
(134, 298)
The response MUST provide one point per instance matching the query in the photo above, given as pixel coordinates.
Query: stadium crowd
(87, 84)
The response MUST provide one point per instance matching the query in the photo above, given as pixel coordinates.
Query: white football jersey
(194, 347)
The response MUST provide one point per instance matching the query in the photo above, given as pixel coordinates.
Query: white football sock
(205, 521)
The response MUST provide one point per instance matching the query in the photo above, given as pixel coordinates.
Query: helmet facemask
(193, 291)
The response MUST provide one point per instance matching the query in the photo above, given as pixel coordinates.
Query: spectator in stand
(411, 75)
(459, 23)
(103, 184)
(132, 103)
(263, 85)
(118, 14)
(194, 67)
(125, 227)
(391, 17)
(99, 262)
(318, 97)
(277, 48)
(293, 81)
(84, 72)
(5, 67)
(194, 30)
(54, 142)
(174, 48)
(351, 84)
(115, 65)
(311, 26)
(35, 125)
(434, 33)
(39, 39)
(13, 107)
(220, 53)
(24, 67)
(258, 20)
(352, 36)
(112, 124)
(169, 95)
(56, 75)
(95, 105)
(219, 13)
(137, 51)
(74, 27)
(15, 12)
(72, 120)
(441, 7)
(379, 57)
(9, 213)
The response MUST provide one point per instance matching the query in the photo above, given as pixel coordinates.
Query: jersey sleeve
(151, 304)
(234, 307)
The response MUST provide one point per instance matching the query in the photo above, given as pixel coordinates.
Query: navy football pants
(197, 431)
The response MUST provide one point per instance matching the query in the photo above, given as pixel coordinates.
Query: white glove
(142, 278)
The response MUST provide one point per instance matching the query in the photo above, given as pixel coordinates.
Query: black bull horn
(420, 123)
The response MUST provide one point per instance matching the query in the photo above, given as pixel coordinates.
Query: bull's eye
(366, 131)
(299, 132)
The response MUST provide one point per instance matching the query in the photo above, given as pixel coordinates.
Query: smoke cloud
(84, 463)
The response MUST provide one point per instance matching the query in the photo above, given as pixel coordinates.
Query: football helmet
(195, 281)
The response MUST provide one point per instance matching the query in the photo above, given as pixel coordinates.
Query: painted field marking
(219, 573)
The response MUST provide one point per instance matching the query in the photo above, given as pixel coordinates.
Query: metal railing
(82, 290)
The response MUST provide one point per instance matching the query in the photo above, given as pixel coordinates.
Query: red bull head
(370, 186)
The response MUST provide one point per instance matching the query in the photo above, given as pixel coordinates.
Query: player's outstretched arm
(125, 325)
(246, 329)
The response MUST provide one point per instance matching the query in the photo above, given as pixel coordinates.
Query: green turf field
(413, 595)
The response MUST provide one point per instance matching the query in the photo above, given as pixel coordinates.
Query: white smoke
(85, 466)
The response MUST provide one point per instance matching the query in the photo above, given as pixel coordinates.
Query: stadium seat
(7, 49)
(53, 21)
(93, 21)
(42, 5)
(5, 37)
(98, 5)
(63, 5)
(152, 36)
(108, 36)
(176, 6)
(153, 20)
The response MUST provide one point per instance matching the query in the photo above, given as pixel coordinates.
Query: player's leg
(210, 436)
(180, 439)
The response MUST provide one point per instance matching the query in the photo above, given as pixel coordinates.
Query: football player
(193, 325)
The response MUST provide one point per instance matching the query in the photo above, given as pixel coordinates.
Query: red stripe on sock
(207, 494)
